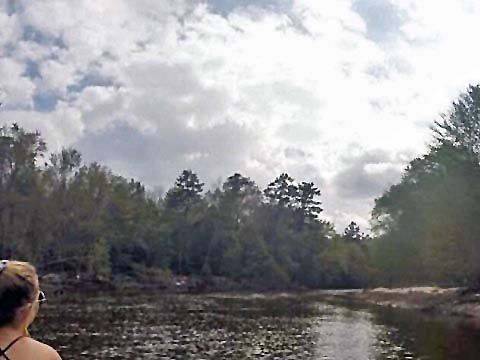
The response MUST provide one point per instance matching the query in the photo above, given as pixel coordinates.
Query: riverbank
(160, 283)
(451, 302)
(457, 302)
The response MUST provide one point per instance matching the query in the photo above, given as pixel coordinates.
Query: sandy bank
(450, 301)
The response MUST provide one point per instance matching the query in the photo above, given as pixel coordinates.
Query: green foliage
(352, 233)
(308, 207)
(428, 222)
(68, 216)
(186, 192)
(99, 259)
(461, 126)
(282, 191)
(21, 192)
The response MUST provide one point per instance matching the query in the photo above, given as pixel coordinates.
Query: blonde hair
(18, 286)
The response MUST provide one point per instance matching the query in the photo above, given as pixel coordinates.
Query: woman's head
(18, 290)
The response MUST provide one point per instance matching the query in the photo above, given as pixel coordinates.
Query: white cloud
(9, 27)
(100, 106)
(60, 128)
(15, 88)
(258, 90)
(57, 76)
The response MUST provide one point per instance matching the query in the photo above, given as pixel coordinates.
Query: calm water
(246, 327)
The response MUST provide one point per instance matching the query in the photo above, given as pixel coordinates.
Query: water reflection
(356, 334)
(345, 334)
(432, 337)
(245, 327)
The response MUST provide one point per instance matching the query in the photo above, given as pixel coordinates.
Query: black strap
(2, 352)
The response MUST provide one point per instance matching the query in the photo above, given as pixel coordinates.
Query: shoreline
(455, 302)
(58, 286)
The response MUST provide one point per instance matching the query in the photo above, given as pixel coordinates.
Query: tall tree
(282, 191)
(21, 191)
(308, 208)
(186, 192)
(461, 125)
(182, 204)
(352, 232)
(427, 222)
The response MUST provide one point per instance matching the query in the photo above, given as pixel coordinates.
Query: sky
(342, 93)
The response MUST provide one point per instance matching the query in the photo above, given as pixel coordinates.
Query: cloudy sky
(338, 92)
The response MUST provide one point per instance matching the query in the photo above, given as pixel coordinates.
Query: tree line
(427, 226)
(64, 215)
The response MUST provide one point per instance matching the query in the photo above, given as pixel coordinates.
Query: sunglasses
(41, 297)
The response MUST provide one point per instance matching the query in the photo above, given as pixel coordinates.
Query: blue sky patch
(383, 19)
(226, 6)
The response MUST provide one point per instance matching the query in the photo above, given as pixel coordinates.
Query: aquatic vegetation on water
(227, 327)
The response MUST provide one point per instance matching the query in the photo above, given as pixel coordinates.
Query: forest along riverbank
(457, 302)
(57, 284)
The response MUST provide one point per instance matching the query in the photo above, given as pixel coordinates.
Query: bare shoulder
(43, 351)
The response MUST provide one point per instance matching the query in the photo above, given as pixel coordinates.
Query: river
(254, 326)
